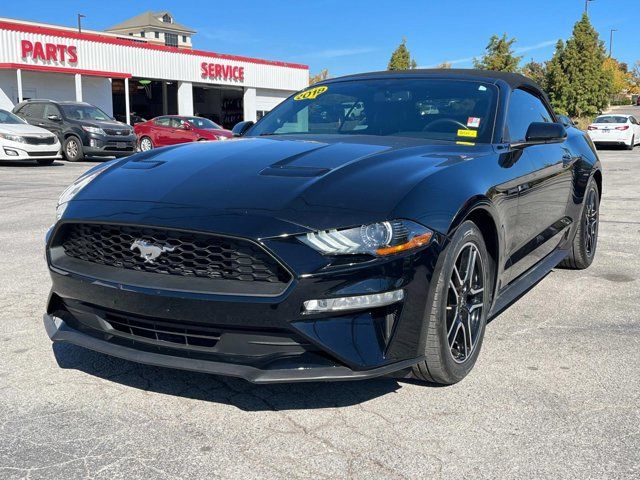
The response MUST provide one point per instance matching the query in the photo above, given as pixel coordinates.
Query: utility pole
(586, 6)
(611, 40)
(80, 17)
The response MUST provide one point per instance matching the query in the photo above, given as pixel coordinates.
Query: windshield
(451, 110)
(611, 119)
(203, 123)
(6, 117)
(84, 112)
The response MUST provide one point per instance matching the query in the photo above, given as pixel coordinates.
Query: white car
(615, 129)
(21, 141)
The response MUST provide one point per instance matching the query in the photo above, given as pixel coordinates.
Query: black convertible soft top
(515, 80)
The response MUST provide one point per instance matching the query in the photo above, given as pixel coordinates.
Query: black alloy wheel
(457, 307)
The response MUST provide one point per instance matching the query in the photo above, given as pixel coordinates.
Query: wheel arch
(481, 211)
(597, 176)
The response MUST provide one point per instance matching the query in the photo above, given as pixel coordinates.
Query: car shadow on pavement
(28, 163)
(226, 390)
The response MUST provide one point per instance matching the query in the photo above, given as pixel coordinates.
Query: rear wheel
(632, 144)
(73, 149)
(585, 241)
(146, 144)
(457, 315)
(45, 161)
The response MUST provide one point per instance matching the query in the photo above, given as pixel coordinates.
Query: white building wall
(8, 89)
(156, 63)
(97, 91)
(267, 100)
(185, 98)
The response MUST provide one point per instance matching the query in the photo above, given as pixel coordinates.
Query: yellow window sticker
(467, 133)
(311, 94)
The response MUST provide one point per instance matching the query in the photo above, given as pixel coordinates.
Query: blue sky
(352, 36)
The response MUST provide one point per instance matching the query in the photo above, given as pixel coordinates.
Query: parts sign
(49, 52)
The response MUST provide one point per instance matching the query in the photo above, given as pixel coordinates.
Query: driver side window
(524, 109)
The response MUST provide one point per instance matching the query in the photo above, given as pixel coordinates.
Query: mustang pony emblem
(149, 251)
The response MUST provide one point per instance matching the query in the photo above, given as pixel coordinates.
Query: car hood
(105, 124)
(23, 129)
(327, 182)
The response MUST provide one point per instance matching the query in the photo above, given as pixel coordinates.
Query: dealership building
(144, 66)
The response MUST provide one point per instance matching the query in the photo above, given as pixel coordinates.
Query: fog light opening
(11, 153)
(357, 302)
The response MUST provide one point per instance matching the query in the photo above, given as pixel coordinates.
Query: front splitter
(59, 331)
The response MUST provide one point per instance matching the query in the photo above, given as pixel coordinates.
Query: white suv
(21, 141)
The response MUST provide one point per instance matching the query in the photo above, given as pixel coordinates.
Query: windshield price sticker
(311, 94)
(473, 122)
(467, 133)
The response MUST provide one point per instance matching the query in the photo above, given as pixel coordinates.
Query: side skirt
(526, 282)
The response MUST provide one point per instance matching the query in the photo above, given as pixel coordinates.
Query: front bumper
(110, 145)
(259, 338)
(59, 331)
(20, 151)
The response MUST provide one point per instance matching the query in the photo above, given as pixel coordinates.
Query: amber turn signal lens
(415, 242)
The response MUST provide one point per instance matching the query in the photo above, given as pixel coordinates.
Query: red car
(173, 129)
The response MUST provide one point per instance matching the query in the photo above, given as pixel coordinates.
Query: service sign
(217, 71)
(49, 52)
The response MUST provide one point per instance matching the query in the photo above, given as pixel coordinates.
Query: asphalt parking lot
(555, 394)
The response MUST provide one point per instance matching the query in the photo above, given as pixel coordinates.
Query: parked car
(21, 141)
(615, 129)
(83, 129)
(173, 129)
(340, 248)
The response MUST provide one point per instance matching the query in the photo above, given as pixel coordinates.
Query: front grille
(42, 154)
(184, 254)
(115, 147)
(181, 335)
(113, 131)
(40, 140)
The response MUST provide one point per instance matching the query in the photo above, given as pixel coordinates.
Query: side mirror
(54, 118)
(540, 133)
(566, 121)
(241, 128)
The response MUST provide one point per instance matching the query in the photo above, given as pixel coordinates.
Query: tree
(499, 55)
(576, 80)
(536, 71)
(621, 79)
(635, 78)
(318, 77)
(401, 58)
(444, 65)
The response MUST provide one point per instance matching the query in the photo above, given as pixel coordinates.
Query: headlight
(12, 138)
(95, 130)
(73, 189)
(221, 137)
(379, 239)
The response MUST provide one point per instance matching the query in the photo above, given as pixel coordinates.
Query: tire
(45, 161)
(72, 149)
(145, 144)
(445, 363)
(585, 240)
(632, 144)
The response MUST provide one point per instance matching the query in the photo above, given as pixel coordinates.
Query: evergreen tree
(499, 55)
(577, 82)
(401, 58)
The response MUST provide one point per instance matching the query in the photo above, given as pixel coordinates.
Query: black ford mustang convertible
(368, 225)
